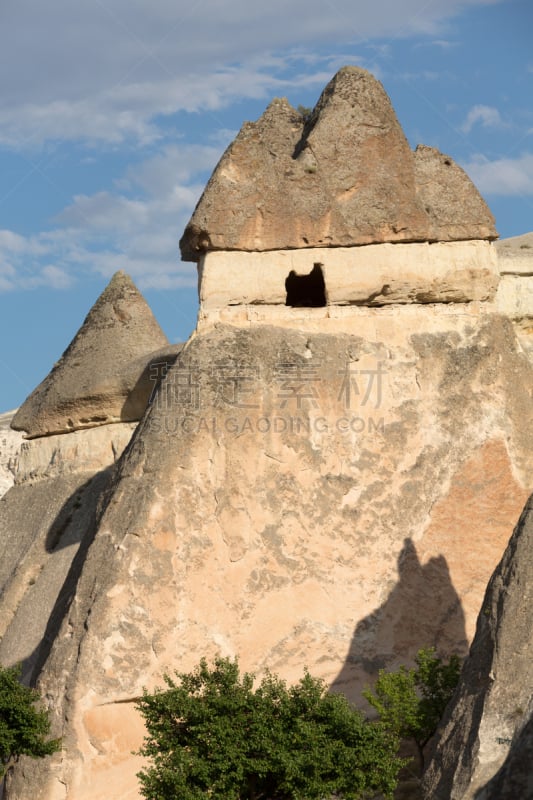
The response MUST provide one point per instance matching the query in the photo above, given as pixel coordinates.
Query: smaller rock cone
(92, 383)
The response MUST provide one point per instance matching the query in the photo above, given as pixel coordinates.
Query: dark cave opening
(306, 290)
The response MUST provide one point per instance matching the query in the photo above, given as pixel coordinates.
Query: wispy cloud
(503, 176)
(442, 44)
(103, 76)
(136, 228)
(102, 72)
(25, 263)
(487, 116)
(130, 112)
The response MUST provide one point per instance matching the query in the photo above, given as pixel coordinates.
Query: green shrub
(304, 111)
(410, 702)
(24, 728)
(210, 734)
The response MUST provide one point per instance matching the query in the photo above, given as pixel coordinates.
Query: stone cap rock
(101, 377)
(343, 176)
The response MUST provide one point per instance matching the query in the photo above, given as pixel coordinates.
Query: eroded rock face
(47, 519)
(455, 209)
(10, 442)
(345, 176)
(482, 747)
(376, 275)
(273, 467)
(515, 291)
(515, 777)
(106, 375)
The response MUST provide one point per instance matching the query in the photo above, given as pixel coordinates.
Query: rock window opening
(306, 290)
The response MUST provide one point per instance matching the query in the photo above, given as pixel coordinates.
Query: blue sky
(114, 113)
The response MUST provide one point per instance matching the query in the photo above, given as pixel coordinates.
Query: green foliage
(304, 111)
(24, 729)
(210, 734)
(411, 702)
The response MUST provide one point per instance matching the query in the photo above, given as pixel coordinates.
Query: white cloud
(7, 273)
(5, 284)
(102, 71)
(176, 164)
(487, 116)
(444, 44)
(104, 212)
(25, 262)
(21, 265)
(108, 231)
(49, 275)
(128, 112)
(503, 176)
(11, 242)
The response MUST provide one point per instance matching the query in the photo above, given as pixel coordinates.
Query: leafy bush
(210, 734)
(304, 111)
(411, 702)
(24, 729)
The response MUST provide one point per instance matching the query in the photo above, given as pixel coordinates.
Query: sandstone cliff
(10, 442)
(515, 290)
(44, 518)
(107, 373)
(335, 499)
(515, 777)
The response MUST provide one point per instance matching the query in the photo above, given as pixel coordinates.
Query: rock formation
(44, 519)
(340, 192)
(10, 442)
(515, 777)
(344, 176)
(484, 746)
(104, 376)
(328, 482)
(515, 290)
(273, 467)
(375, 275)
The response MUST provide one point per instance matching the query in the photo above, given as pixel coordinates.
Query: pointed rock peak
(280, 107)
(92, 383)
(357, 88)
(279, 123)
(343, 176)
(454, 207)
(120, 288)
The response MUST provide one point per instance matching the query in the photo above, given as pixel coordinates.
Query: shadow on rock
(43, 598)
(423, 610)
